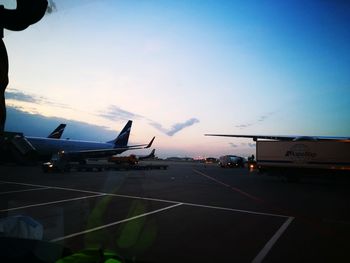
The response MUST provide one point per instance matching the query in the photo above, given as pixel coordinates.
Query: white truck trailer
(320, 155)
(294, 159)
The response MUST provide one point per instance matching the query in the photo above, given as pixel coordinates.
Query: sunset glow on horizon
(180, 69)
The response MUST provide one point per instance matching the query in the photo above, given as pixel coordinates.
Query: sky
(180, 69)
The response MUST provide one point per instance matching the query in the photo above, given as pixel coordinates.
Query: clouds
(51, 7)
(18, 120)
(233, 145)
(17, 95)
(112, 112)
(175, 128)
(20, 96)
(250, 145)
(179, 126)
(263, 117)
(243, 126)
(259, 120)
(115, 113)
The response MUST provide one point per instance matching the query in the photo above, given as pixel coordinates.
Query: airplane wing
(282, 137)
(144, 146)
(255, 137)
(138, 146)
(333, 138)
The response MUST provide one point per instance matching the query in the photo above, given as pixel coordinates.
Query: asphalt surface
(190, 213)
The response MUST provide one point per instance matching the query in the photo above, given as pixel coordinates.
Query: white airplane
(80, 150)
(77, 149)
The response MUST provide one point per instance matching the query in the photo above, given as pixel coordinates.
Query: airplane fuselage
(48, 146)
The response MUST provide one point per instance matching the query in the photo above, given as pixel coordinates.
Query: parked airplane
(24, 148)
(46, 147)
(147, 157)
(57, 133)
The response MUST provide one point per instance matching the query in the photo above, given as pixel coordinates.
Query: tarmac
(191, 212)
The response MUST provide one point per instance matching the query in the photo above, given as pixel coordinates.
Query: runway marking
(53, 187)
(230, 187)
(262, 254)
(236, 210)
(115, 223)
(94, 192)
(157, 200)
(50, 203)
(259, 200)
(24, 190)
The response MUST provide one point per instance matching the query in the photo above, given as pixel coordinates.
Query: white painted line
(24, 190)
(262, 254)
(114, 223)
(156, 199)
(94, 192)
(50, 203)
(53, 187)
(236, 210)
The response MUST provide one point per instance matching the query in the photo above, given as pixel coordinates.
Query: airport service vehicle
(288, 154)
(130, 160)
(227, 161)
(209, 160)
(61, 163)
(329, 155)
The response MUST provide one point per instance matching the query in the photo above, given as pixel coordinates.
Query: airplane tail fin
(57, 133)
(123, 137)
(150, 156)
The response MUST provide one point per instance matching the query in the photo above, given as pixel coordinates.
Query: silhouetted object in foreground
(27, 12)
(251, 158)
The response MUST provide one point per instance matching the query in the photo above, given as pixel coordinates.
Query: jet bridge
(22, 145)
(17, 148)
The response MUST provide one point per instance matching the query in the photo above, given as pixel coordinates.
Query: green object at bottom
(91, 255)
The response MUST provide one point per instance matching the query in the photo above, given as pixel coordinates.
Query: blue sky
(180, 69)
